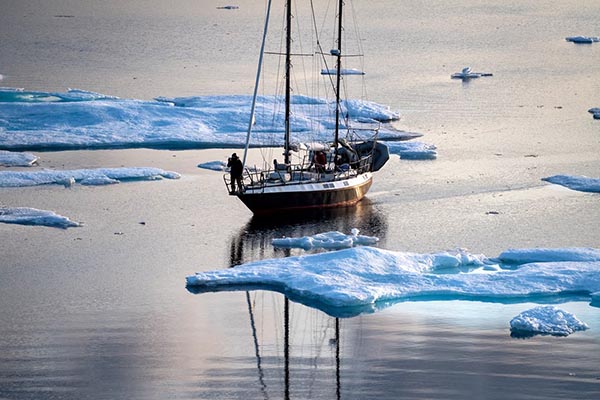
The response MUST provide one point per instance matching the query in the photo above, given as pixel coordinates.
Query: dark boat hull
(307, 196)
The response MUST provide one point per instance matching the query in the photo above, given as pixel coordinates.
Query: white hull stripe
(312, 186)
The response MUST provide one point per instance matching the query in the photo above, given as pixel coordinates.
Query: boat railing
(304, 172)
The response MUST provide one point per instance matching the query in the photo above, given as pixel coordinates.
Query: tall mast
(338, 75)
(288, 67)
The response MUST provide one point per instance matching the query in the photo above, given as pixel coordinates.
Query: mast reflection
(253, 242)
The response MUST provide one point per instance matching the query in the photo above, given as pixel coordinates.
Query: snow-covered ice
(79, 119)
(363, 279)
(413, 150)
(327, 240)
(33, 216)
(98, 176)
(15, 159)
(546, 320)
(581, 183)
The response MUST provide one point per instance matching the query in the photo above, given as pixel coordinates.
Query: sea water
(101, 311)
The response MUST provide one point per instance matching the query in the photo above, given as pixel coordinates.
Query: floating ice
(328, 240)
(32, 216)
(344, 71)
(525, 256)
(545, 320)
(214, 165)
(413, 150)
(79, 119)
(582, 39)
(363, 279)
(581, 183)
(13, 159)
(466, 73)
(99, 176)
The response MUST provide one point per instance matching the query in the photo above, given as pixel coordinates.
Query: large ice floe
(581, 183)
(545, 320)
(329, 240)
(79, 119)
(15, 159)
(33, 216)
(352, 281)
(98, 176)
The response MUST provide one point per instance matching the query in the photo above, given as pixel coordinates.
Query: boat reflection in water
(302, 342)
(253, 242)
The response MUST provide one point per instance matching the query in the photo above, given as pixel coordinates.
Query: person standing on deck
(236, 168)
(320, 161)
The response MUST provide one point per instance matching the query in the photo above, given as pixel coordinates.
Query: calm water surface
(101, 312)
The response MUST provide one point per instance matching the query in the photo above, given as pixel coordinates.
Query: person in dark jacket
(236, 168)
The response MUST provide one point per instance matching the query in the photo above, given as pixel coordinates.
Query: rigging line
(261, 374)
(297, 20)
(360, 50)
(260, 62)
(322, 53)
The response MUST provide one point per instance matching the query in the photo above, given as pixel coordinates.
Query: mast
(288, 67)
(338, 76)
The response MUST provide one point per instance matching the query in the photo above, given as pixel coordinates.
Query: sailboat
(315, 175)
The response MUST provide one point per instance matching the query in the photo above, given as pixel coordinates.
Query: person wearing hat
(236, 168)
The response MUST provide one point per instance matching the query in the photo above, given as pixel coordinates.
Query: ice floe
(413, 150)
(327, 240)
(99, 176)
(581, 183)
(582, 39)
(14, 159)
(363, 279)
(79, 119)
(545, 320)
(466, 74)
(33, 216)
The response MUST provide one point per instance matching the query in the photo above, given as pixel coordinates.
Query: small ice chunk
(546, 320)
(214, 165)
(467, 73)
(14, 159)
(344, 71)
(33, 216)
(582, 39)
(328, 240)
(581, 183)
